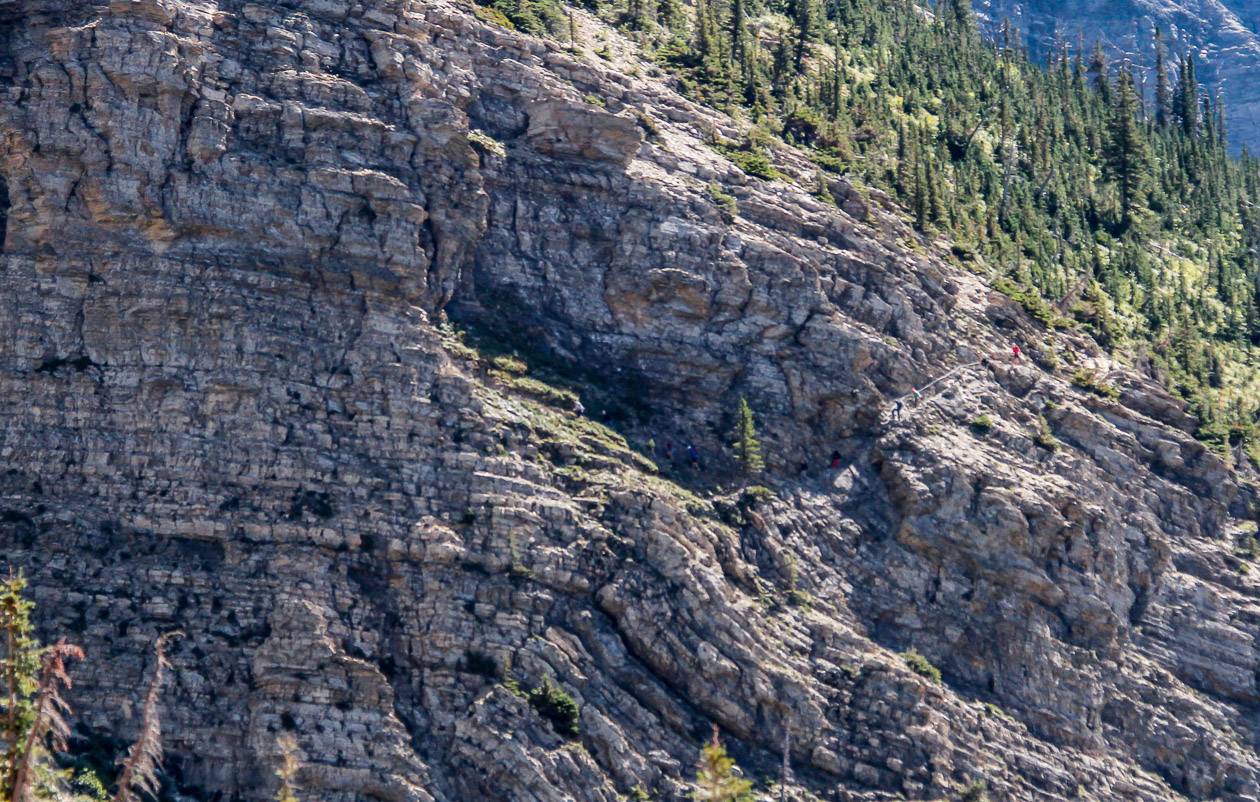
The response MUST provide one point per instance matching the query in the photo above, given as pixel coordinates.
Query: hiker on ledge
(835, 460)
(1015, 353)
(918, 396)
(694, 456)
(896, 412)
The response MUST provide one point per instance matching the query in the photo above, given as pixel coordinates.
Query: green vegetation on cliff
(1092, 205)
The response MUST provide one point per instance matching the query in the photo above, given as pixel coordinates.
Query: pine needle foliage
(21, 665)
(747, 446)
(717, 776)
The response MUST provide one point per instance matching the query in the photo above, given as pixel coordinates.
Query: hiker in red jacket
(1015, 352)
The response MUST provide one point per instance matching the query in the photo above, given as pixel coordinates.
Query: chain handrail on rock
(887, 416)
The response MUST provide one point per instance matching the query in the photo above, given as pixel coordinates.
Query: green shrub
(87, 784)
(486, 143)
(1088, 380)
(492, 15)
(513, 687)
(921, 666)
(748, 157)
(510, 364)
(534, 17)
(754, 496)
(754, 164)
(802, 125)
(1032, 301)
(800, 598)
(648, 125)
(453, 339)
(726, 204)
(1044, 438)
(555, 396)
(982, 424)
(828, 162)
(557, 707)
(975, 792)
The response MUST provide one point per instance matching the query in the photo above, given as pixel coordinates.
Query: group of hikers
(668, 454)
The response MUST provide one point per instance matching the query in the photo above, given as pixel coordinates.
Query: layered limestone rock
(229, 405)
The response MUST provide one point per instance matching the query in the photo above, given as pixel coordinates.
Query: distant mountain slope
(1224, 34)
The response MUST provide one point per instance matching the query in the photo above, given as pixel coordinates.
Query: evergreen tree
(804, 21)
(903, 182)
(669, 14)
(1163, 87)
(1188, 98)
(747, 446)
(738, 34)
(637, 13)
(706, 47)
(1099, 71)
(1126, 149)
(958, 15)
(1218, 120)
(717, 779)
(21, 677)
(920, 196)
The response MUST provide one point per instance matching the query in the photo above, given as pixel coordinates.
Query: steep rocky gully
(231, 403)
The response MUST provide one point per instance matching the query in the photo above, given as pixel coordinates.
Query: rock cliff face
(1223, 35)
(229, 406)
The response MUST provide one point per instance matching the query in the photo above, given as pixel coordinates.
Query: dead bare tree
(785, 772)
(50, 715)
(139, 772)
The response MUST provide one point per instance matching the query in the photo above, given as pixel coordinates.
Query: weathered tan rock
(568, 129)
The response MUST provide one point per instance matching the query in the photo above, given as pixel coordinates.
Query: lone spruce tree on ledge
(747, 446)
(717, 778)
